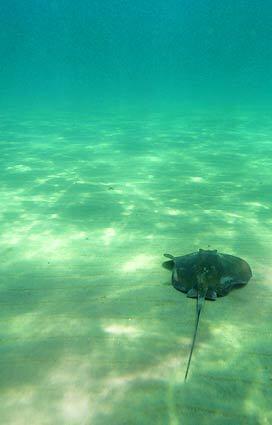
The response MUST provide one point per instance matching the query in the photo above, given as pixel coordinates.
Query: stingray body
(206, 274)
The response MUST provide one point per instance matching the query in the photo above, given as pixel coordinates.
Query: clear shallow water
(90, 324)
(128, 130)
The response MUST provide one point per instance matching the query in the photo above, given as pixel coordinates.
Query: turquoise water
(128, 130)
(77, 55)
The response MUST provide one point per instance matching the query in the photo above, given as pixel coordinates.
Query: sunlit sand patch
(233, 215)
(45, 241)
(11, 239)
(163, 371)
(141, 261)
(173, 212)
(79, 400)
(45, 245)
(197, 179)
(90, 147)
(266, 273)
(39, 326)
(257, 409)
(75, 405)
(232, 335)
(230, 217)
(54, 216)
(117, 385)
(78, 235)
(23, 324)
(128, 209)
(122, 330)
(21, 168)
(209, 212)
(21, 405)
(42, 180)
(227, 233)
(117, 191)
(257, 205)
(161, 225)
(51, 245)
(108, 235)
(75, 402)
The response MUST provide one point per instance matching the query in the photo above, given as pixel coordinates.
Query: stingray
(206, 274)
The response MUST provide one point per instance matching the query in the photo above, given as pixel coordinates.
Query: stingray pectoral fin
(169, 265)
(227, 283)
(169, 256)
(211, 295)
(239, 282)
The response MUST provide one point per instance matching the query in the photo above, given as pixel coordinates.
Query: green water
(130, 129)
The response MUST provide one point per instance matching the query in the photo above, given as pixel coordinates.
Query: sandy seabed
(92, 333)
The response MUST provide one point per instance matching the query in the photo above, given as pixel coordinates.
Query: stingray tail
(200, 302)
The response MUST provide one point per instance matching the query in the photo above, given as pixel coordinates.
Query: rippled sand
(91, 330)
